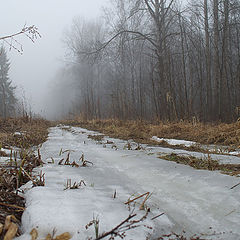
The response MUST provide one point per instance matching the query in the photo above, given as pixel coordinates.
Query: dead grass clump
(226, 134)
(82, 161)
(98, 138)
(75, 185)
(194, 162)
(3, 154)
(127, 146)
(23, 132)
(207, 163)
(11, 207)
(181, 130)
(10, 228)
(12, 176)
(3, 134)
(63, 236)
(17, 172)
(10, 204)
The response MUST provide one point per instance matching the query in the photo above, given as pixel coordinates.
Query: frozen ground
(194, 201)
(174, 141)
(211, 148)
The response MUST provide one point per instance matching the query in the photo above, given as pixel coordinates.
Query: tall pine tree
(7, 98)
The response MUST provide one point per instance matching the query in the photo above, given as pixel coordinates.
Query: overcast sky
(37, 66)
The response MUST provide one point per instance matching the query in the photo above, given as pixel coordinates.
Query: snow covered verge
(210, 148)
(174, 141)
(193, 201)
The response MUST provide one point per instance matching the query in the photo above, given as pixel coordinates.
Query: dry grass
(205, 163)
(23, 133)
(140, 131)
(3, 154)
(14, 174)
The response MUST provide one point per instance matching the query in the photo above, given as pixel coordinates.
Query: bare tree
(159, 59)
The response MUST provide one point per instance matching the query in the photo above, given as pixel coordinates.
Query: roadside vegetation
(142, 131)
(204, 163)
(23, 132)
(225, 137)
(19, 137)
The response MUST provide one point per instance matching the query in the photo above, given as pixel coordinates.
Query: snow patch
(174, 141)
(194, 201)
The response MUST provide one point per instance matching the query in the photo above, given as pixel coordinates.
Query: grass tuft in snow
(82, 161)
(95, 223)
(75, 185)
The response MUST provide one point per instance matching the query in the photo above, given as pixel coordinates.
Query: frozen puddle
(194, 201)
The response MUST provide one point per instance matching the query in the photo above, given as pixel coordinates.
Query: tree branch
(30, 32)
(145, 37)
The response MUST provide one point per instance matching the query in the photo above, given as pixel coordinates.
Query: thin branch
(235, 186)
(31, 30)
(113, 231)
(118, 34)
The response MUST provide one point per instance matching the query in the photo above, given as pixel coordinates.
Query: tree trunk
(208, 111)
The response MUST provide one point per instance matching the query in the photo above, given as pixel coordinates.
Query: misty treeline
(157, 59)
(7, 96)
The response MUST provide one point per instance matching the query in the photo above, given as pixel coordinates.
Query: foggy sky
(40, 61)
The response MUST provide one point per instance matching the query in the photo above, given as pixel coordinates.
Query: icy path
(195, 201)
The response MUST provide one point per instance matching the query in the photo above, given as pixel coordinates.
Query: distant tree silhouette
(7, 98)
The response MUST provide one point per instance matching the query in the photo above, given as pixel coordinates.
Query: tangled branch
(125, 225)
(30, 32)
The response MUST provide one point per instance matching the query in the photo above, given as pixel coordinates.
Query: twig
(230, 212)
(146, 198)
(235, 186)
(29, 176)
(30, 32)
(116, 228)
(157, 216)
(39, 154)
(85, 161)
(129, 201)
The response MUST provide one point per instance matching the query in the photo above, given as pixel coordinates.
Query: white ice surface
(210, 148)
(194, 201)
